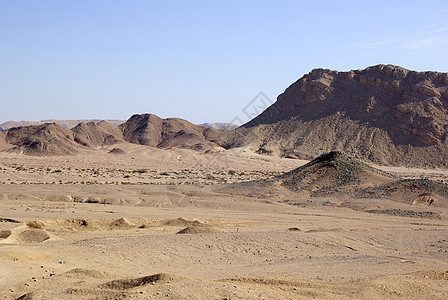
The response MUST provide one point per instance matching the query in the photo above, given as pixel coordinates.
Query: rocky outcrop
(46, 139)
(336, 173)
(94, 135)
(150, 130)
(333, 170)
(386, 114)
(146, 129)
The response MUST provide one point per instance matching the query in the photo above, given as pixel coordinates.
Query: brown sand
(102, 226)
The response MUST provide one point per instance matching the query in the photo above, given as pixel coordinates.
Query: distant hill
(45, 139)
(150, 130)
(69, 124)
(228, 126)
(145, 129)
(97, 134)
(386, 114)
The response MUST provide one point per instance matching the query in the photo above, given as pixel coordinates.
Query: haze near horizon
(197, 60)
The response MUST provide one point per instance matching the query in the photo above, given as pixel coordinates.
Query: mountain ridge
(144, 129)
(384, 114)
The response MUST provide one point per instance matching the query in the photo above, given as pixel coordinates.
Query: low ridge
(338, 173)
(68, 124)
(145, 129)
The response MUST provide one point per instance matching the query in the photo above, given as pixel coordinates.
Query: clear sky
(198, 60)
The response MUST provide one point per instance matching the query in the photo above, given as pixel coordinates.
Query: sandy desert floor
(153, 224)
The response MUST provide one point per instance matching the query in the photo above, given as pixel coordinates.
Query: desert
(223, 150)
(125, 220)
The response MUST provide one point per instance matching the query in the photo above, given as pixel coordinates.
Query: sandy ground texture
(160, 224)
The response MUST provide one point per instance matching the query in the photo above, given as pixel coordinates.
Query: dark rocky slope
(386, 114)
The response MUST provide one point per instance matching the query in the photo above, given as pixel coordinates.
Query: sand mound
(95, 224)
(117, 151)
(199, 229)
(82, 273)
(121, 223)
(30, 236)
(183, 222)
(123, 284)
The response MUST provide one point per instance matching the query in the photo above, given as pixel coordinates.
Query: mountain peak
(385, 113)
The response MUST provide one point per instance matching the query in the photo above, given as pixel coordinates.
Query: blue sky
(199, 60)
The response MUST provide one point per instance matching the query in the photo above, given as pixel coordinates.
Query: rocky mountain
(69, 124)
(386, 114)
(228, 126)
(150, 130)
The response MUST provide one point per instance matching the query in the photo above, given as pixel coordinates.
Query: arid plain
(178, 224)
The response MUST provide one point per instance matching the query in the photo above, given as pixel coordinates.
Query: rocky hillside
(93, 135)
(386, 114)
(146, 129)
(150, 130)
(332, 170)
(48, 138)
(336, 173)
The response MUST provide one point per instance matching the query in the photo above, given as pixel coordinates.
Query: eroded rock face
(46, 139)
(356, 111)
(91, 134)
(150, 130)
(411, 106)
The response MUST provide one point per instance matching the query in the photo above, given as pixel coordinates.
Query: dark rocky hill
(150, 130)
(333, 170)
(145, 129)
(45, 139)
(386, 114)
(93, 135)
